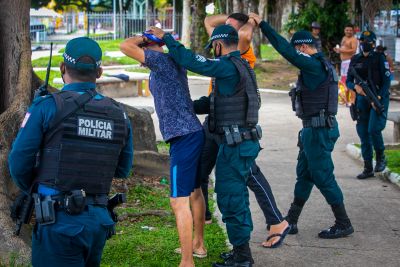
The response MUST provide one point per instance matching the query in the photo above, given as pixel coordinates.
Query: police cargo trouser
(370, 126)
(315, 165)
(73, 240)
(232, 171)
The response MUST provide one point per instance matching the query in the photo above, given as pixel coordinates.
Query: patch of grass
(43, 61)
(12, 261)
(53, 74)
(393, 160)
(269, 53)
(163, 147)
(136, 245)
(107, 45)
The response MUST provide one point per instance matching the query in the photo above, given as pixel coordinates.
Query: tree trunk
(257, 33)
(15, 96)
(199, 34)
(236, 6)
(186, 23)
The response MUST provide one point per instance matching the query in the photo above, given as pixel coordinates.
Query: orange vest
(249, 56)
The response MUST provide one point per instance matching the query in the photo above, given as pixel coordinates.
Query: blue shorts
(184, 155)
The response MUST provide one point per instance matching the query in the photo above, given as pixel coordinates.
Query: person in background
(347, 49)
(316, 35)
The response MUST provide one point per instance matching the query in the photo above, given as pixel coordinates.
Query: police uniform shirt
(311, 66)
(35, 124)
(360, 62)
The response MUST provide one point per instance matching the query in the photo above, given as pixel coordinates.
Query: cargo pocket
(109, 229)
(67, 238)
(248, 152)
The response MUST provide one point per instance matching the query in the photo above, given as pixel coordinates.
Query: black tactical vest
(239, 109)
(369, 67)
(82, 151)
(325, 97)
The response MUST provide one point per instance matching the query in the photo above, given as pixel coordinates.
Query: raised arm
(246, 35)
(210, 22)
(130, 47)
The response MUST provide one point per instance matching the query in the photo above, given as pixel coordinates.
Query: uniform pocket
(69, 230)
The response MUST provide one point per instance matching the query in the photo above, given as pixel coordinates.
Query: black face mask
(366, 47)
(217, 48)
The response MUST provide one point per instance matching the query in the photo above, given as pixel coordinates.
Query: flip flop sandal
(280, 241)
(195, 254)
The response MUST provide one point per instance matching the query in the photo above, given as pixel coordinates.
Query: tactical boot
(342, 226)
(226, 255)
(240, 257)
(368, 170)
(293, 215)
(380, 161)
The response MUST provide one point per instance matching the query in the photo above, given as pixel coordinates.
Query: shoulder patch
(386, 65)
(25, 120)
(200, 58)
(387, 73)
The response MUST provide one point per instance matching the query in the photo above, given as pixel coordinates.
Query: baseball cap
(315, 25)
(80, 47)
(302, 37)
(368, 36)
(222, 32)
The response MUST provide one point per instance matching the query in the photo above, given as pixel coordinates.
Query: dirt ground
(277, 74)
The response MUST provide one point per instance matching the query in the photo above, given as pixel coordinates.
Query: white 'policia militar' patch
(95, 128)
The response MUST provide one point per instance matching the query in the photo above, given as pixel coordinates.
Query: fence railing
(105, 26)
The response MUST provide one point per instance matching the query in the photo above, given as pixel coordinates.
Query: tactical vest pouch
(75, 202)
(44, 209)
(228, 136)
(237, 138)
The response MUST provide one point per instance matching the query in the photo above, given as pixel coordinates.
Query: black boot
(293, 215)
(204, 189)
(380, 161)
(342, 226)
(368, 170)
(240, 257)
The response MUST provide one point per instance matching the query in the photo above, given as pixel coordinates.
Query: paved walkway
(373, 205)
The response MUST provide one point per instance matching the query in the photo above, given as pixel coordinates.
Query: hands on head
(159, 33)
(255, 17)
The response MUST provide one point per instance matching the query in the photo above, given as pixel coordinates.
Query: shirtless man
(347, 49)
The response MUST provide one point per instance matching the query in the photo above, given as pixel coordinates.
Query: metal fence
(106, 26)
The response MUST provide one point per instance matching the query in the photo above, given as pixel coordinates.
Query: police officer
(79, 140)
(315, 102)
(233, 115)
(373, 68)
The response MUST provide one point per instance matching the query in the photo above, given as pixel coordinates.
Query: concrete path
(373, 205)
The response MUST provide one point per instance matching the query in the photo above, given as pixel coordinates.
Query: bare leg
(198, 211)
(184, 223)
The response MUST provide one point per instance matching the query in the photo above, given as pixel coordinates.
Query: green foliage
(136, 245)
(332, 17)
(163, 147)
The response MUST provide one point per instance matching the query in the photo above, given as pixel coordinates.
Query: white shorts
(344, 67)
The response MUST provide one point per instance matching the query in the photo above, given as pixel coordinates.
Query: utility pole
(88, 20)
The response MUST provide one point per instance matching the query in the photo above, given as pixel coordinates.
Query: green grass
(106, 61)
(43, 61)
(109, 45)
(163, 147)
(53, 74)
(135, 246)
(269, 53)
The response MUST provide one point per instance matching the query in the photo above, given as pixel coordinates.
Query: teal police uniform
(82, 152)
(315, 102)
(373, 68)
(233, 161)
